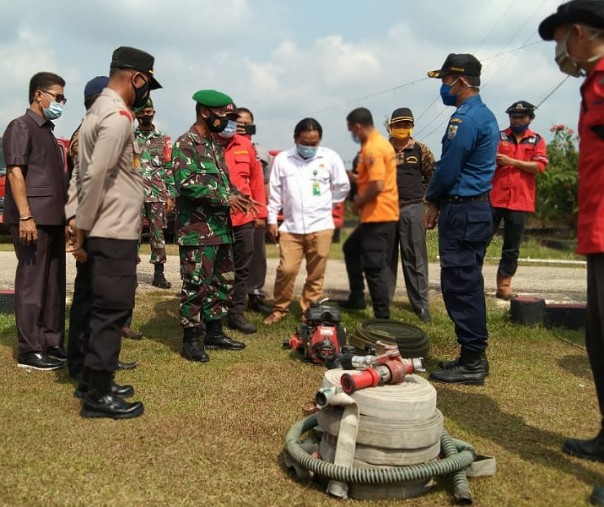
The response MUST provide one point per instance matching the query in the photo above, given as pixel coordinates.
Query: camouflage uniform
(204, 228)
(159, 186)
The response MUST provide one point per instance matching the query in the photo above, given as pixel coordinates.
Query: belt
(473, 198)
(417, 200)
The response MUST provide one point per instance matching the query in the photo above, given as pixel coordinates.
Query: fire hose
(458, 456)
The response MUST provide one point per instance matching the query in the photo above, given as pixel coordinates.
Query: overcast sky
(287, 59)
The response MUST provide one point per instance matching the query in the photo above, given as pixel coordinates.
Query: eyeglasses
(59, 97)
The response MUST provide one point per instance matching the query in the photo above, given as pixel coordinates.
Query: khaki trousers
(314, 247)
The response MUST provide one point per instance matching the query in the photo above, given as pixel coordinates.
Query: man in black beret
(578, 29)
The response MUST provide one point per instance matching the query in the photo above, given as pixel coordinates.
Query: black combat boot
(256, 304)
(216, 339)
(470, 369)
(124, 391)
(192, 347)
(238, 322)
(454, 363)
(159, 280)
(100, 402)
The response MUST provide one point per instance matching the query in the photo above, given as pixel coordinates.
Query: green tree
(557, 187)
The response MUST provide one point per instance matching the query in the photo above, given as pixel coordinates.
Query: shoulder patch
(456, 120)
(127, 114)
(451, 131)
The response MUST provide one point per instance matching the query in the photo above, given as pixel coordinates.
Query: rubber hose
(446, 466)
(461, 489)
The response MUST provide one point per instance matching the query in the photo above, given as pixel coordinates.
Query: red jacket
(245, 172)
(590, 226)
(513, 188)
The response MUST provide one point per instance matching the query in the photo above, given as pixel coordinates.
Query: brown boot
(504, 287)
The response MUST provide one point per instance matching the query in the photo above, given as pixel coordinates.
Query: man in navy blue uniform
(458, 197)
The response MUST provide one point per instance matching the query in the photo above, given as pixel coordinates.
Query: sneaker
(238, 322)
(273, 318)
(36, 361)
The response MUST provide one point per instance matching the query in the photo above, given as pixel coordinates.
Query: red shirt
(513, 188)
(590, 227)
(245, 172)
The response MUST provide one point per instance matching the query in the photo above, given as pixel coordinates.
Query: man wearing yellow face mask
(414, 165)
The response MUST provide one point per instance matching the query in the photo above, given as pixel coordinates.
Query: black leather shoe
(454, 363)
(124, 391)
(126, 366)
(57, 352)
(37, 361)
(587, 449)
(238, 322)
(597, 496)
(424, 315)
(222, 342)
(353, 302)
(470, 369)
(194, 351)
(256, 304)
(99, 402)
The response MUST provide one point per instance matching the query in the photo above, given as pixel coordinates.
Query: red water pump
(321, 336)
(387, 368)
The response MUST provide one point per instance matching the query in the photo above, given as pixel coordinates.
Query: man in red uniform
(520, 157)
(578, 29)
(245, 172)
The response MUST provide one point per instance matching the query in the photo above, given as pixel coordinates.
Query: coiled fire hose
(458, 456)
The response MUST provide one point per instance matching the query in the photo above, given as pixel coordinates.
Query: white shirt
(306, 190)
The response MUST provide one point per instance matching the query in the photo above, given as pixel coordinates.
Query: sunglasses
(59, 97)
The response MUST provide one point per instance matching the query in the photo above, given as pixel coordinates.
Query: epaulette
(127, 114)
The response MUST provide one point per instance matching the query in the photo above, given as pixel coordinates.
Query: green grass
(213, 433)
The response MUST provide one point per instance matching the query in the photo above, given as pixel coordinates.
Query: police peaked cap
(588, 12)
(126, 57)
(462, 64)
(401, 114)
(521, 107)
(212, 98)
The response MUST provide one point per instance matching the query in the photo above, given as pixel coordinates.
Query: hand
(273, 232)
(431, 216)
(356, 207)
(28, 232)
(259, 223)
(244, 203)
(71, 233)
(504, 160)
(169, 205)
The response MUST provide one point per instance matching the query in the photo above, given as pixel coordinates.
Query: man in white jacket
(306, 182)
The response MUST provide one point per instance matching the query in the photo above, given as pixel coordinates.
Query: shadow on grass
(164, 327)
(577, 365)
(482, 416)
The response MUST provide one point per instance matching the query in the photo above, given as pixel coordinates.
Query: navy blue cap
(95, 86)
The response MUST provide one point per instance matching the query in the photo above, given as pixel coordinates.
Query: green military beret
(149, 103)
(212, 98)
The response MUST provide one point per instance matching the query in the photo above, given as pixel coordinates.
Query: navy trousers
(464, 230)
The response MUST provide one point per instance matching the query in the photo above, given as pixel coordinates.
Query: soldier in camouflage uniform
(205, 197)
(159, 187)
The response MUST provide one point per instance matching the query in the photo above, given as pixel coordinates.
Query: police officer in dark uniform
(458, 197)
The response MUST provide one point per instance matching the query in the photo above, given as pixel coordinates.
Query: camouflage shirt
(155, 164)
(203, 190)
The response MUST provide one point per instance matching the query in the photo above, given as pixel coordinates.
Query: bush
(557, 187)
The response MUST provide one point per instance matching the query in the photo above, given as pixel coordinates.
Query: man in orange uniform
(367, 250)
(245, 172)
(520, 157)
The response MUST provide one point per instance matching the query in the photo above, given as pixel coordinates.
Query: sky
(287, 60)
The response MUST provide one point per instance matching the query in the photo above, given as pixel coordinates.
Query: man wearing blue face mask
(458, 197)
(306, 181)
(36, 191)
(521, 156)
(245, 173)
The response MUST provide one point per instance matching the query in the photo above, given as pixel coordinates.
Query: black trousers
(513, 230)
(113, 284)
(594, 329)
(243, 250)
(367, 251)
(79, 319)
(40, 289)
(257, 270)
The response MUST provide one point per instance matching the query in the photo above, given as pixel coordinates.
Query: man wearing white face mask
(245, 173)
(578, 29)
(306, 181)
(36, 192)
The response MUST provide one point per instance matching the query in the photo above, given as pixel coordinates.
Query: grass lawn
(213, 434)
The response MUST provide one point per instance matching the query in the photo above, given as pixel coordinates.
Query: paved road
(554, 284)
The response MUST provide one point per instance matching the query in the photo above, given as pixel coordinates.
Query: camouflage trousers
(208, 274)
(155, 213)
